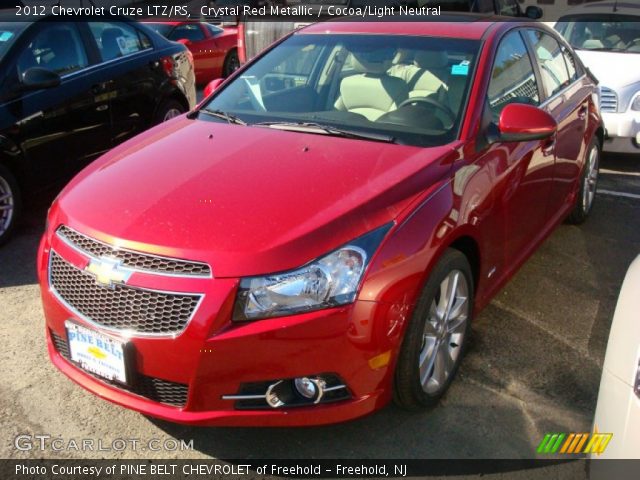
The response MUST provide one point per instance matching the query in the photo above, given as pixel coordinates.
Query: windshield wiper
(224, 116)
(314, 127)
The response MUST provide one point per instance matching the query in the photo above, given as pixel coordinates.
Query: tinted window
(570, 61)
(512, 77)
(189, 31)
(58, 47)
(116, 39)
(213, 29)
(162, 28)
(553, 68)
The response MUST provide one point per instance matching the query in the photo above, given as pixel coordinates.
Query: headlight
(327, 282)
(635, 105)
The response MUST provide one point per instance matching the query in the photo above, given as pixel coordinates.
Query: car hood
(247, 200)
(613, 70)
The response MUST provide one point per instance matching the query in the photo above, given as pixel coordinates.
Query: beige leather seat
(433, 76)
(370, 92)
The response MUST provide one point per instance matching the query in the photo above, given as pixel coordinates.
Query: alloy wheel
(444, 332)
(171, 113)
(590, 179)
(7, 205)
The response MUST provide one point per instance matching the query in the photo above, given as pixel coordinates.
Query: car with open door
(317, 236)
(71, 90)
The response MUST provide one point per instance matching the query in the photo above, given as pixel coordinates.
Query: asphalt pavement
(533, 366)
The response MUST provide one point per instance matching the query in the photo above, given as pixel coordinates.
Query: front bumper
(213, 358)
(623, 132)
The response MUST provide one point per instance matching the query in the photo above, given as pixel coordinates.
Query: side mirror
(522, 123)
(533, 12)
(36, 78)
(212, 86)
(184, 41)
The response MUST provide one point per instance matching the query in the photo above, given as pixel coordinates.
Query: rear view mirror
(533, 12)
(36, 78)
(521, 123)
(212, 86)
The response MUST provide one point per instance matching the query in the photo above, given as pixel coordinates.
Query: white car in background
(618, 409)
(606, 37)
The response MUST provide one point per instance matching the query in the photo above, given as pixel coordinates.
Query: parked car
(214, 48)
(606, 36)
(318, 234)
(618, 410)
(70, 91)
(255, 34)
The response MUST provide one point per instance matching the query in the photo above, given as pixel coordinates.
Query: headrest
(403, 56)
(429, 59)
(375, 61)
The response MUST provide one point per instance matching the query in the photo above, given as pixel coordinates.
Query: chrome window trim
(561, 92)
(75, 247)
(125, 334)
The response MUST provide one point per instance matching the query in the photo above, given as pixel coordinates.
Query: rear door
(568, 102)
(127, 59)
(59, 129)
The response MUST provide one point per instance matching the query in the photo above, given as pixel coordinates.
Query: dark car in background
(70, 91)
(214, 48)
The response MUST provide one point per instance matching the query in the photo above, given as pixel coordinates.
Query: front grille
(131, 259)
(608, 100)
(121, 307)
(156, 389)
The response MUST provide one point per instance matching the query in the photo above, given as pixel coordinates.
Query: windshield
(9, 32)
(408, 89)
(605, 32)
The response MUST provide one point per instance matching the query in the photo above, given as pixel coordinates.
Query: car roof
(619, 8)
(466, 26)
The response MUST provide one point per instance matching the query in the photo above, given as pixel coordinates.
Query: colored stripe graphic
(574, 443)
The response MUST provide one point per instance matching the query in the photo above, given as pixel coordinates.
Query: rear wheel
(588, 185)
(436, 337)
(168, 109)
(9, 203)
(231, 63)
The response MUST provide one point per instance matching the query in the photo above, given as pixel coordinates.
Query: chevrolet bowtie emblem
(108, 271)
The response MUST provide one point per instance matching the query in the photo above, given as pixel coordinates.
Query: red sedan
(317, 236)
(214, 49)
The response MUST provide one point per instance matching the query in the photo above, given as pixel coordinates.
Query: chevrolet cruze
(315, 238)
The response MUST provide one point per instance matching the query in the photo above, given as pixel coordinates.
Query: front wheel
(588, 184)
(9, 203)
(436, 337)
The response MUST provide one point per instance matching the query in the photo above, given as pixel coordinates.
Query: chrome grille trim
(608, 100)
(131, 259)
(97, 323)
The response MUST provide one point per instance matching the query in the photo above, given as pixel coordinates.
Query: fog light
(306, 387)
(310, 388)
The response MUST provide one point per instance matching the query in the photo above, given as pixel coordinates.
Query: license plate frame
(105, 346)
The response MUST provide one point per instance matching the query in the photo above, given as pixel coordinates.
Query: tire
(588, 184)
(431, 337)
(10, 204)
(231, 63)
(168, 109)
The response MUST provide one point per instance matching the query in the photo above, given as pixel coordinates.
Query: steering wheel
(434, 103)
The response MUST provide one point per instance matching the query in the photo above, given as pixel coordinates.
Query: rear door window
(553, 68)
(187, 31)
(117, 39)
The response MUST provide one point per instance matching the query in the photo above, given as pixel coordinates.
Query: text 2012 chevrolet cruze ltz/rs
(315, 238)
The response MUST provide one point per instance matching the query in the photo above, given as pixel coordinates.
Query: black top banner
(307, 11)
